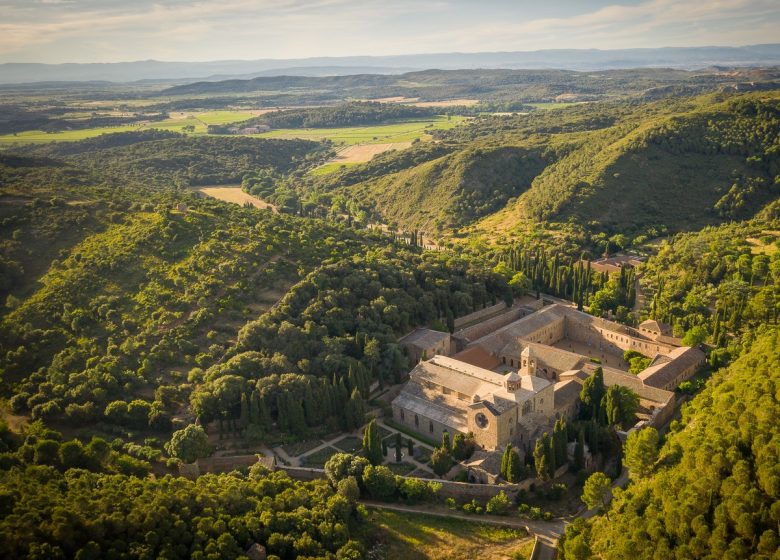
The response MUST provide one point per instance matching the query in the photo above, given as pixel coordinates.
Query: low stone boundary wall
(302, 473)
(223, 464)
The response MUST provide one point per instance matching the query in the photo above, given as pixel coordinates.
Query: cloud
(60, 30)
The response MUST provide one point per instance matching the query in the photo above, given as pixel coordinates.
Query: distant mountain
(569, 59)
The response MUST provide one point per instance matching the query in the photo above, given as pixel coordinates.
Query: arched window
(416, 421)
(402, 414)
(430, 425)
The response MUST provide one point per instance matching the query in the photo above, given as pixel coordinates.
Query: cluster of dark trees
(355, 113)
(90, 515)
(337, 330)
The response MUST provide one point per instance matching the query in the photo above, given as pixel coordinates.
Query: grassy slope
(423, 537)
(453, 190)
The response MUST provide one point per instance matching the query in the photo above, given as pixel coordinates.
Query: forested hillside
(599, 169)
(715, 490)
(349, 114)
(166, 159)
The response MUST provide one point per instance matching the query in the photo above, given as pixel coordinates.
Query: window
(416, 421)
(481, 420)
(430, 426)
(402, 413)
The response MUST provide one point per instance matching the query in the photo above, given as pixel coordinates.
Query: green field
(379, 134)
(332, 167)
(199, 120)
(400, 132)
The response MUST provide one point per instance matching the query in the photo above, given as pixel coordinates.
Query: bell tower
(527, 362)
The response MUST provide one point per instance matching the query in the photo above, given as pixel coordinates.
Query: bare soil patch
(235, 195)
(360, 153)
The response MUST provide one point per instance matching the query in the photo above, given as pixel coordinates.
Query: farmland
(378, 134)
(178, 122)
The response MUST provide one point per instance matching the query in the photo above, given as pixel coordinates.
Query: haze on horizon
(57, 31)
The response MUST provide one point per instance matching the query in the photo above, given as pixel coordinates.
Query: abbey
(512, 382)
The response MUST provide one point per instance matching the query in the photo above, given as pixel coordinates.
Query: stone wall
(478, 315)
(302, 473)
(463, 336)
(222, 464)
(601, 335)
(421, 424)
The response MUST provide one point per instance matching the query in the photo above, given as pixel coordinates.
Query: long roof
(424, 338)
(449, 416)
(495, 341)
(661, 372)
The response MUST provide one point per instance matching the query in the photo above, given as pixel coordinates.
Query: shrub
(498, 504)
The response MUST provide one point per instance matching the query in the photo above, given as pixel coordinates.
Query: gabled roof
(478, 356)
(661, 373)
(423, 338)
(566, 392)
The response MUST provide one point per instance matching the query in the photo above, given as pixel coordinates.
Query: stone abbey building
(525, 368)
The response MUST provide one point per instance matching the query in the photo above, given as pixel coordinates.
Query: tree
(398, 446)
(441, 461)
(410, 447)
(379, 481)
(620, 405)
(514, 468)
(559, 441)
(445, 440)
(596, 491)
(462, 448)
(592, 392)
(348, 487)
(579, 451)
(243, 421)
(641, 452)
(371, 443)
(189, 444)
(695, 336)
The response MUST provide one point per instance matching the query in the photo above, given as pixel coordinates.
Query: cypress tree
(410, 447)
(398, 446)
(244, 418)
(297, 419)
(254, 408)
(505, 460)
(371, 443)
(579, 451)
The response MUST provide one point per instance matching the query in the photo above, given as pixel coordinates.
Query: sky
(56, 31)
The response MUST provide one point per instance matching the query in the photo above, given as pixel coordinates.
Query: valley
(430, 314)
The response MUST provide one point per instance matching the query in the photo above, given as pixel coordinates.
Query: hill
(489, 85)
(715, 491)
(597, 169)
(586, 59)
